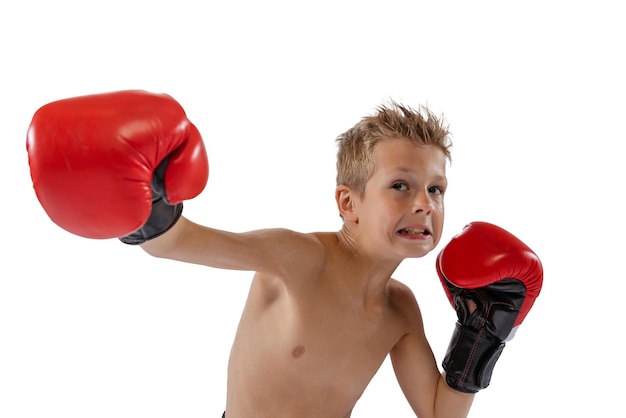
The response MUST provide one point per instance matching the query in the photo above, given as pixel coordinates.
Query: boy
(323, 311)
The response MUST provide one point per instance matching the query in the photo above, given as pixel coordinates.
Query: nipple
(298, 352)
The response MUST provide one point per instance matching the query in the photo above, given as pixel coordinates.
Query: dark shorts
(224, 414)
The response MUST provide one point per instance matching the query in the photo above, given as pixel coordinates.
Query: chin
(420, 253)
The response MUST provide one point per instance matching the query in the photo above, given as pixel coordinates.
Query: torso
(309, 350)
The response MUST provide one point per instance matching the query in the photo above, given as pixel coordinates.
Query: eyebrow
(435, 178)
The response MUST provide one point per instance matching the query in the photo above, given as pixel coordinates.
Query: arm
(121, 164)
(491, 279)
(271, 251)
(422, 383)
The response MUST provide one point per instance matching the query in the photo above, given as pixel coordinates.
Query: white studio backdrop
(533, 93)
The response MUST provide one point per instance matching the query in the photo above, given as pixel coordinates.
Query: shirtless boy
(323, 311)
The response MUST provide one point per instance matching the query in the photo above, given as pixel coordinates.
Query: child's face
(402, 208)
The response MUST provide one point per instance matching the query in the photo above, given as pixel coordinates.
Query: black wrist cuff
(162, 217)
(470, 359)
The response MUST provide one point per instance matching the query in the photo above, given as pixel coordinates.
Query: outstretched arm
(271, 251)
(120, 165)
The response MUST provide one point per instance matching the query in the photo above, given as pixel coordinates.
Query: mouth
(414, 232)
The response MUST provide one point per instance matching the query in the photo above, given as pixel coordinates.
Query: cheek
(438, 217)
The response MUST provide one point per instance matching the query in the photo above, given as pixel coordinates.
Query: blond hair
(355, 164)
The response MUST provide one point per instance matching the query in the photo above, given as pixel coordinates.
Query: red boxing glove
(99, 162)
(502, 277)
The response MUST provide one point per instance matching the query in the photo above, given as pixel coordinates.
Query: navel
(298, 352)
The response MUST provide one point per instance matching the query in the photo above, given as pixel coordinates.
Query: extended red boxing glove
(492, 280)
(115, 165)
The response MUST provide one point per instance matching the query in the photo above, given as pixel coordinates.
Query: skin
(323, 311)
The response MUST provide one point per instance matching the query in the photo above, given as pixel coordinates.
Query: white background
(534, 94)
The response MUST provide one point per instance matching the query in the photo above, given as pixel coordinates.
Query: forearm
(189, 242)
(450, 403)
(259, 250)
(192, 243)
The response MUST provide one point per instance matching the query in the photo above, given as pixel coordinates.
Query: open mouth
(413, 232)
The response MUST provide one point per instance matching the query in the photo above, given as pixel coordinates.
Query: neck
(369, 273)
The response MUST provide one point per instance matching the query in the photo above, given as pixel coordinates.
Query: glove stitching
(481, 331)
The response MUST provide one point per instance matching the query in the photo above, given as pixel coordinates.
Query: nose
(422, 203)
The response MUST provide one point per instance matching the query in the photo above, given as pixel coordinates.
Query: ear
(346, 203)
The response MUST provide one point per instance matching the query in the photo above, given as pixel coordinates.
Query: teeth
(412, 231)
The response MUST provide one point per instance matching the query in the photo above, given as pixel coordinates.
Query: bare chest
(311, 350)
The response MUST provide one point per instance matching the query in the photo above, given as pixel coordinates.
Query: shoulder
(313, 243)
(298, 252)
(400, 294)
(403, 301)
(284, 240)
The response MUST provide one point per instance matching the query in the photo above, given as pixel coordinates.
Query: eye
(398, 185)
(436, 190)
